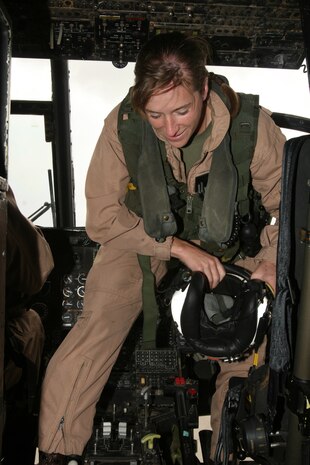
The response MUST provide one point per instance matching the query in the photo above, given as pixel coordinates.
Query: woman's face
(176, 113)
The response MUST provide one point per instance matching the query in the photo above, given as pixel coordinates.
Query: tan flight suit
(80, 367)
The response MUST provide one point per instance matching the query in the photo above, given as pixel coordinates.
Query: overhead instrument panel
(264, 33)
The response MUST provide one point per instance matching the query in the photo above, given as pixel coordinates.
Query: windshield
(95, 88)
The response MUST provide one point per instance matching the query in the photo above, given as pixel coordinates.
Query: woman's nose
(170, 126)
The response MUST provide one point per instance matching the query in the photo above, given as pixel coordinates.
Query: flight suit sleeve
(266, 171)
(109, 222)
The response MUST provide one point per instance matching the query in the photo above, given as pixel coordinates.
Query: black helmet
(225, 322)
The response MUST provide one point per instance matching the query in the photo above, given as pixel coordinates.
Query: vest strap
(150, 307)
(159, 222)
(219, 201)
(243, 134)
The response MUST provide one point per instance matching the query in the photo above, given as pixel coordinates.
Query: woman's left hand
(267, 272)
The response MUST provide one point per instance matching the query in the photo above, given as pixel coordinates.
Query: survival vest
(213, 215)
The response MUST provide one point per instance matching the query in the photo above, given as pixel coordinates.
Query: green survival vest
(155, 195)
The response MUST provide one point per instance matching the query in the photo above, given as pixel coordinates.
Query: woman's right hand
(197, 259)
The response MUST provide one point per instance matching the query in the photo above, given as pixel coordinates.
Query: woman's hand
(197, 259)
(267, 272)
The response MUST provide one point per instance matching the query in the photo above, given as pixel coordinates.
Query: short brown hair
(169, 58)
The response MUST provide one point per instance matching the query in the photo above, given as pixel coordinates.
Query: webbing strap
(150, 307)
(219, 202)
(243, 140)
(159, 222)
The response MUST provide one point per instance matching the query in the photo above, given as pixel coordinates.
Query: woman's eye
(183, 112)
(154, 116)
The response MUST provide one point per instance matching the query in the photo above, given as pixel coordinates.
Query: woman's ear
(205, 89)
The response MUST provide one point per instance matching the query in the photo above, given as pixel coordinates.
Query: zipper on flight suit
(61, 429)
(59, 433)
(61, 424)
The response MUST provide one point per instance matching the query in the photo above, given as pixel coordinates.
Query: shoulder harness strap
(144, 159)
(229, 178)
(243, 141)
